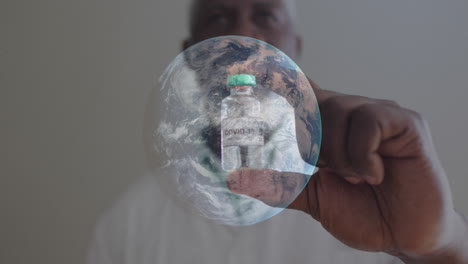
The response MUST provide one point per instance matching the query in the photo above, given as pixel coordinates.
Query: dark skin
(380, 186)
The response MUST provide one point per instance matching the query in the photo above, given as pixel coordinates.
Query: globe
(183, 134)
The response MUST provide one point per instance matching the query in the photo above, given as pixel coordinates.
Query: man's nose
(244, 26)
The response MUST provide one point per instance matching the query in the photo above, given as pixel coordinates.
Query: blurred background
(75, 77)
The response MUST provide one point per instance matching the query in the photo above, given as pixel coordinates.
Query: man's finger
(272, 187)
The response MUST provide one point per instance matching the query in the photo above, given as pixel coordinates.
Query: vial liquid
(242, 130)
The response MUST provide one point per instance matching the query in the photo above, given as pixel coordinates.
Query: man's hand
(380, 186)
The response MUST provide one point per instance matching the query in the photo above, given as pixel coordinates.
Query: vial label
(242, 131)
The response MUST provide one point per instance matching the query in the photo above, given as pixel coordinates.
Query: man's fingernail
(354, 180)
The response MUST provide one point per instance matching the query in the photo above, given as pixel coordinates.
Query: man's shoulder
(146, 187)
(142, 198)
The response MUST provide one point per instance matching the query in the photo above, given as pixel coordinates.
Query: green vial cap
(241, 79)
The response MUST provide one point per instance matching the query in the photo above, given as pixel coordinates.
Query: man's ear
(187, 43)
(298, 46)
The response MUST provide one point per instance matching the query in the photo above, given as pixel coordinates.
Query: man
(380, 188)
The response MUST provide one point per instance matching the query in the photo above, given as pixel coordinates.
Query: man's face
(266, 20)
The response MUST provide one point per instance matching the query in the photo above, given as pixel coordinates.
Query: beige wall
(74, 77)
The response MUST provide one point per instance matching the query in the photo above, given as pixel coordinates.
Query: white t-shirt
(147, 227)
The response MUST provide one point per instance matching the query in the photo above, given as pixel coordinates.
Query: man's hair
(289, 4)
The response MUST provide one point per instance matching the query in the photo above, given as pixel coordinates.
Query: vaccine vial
(242, 129)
